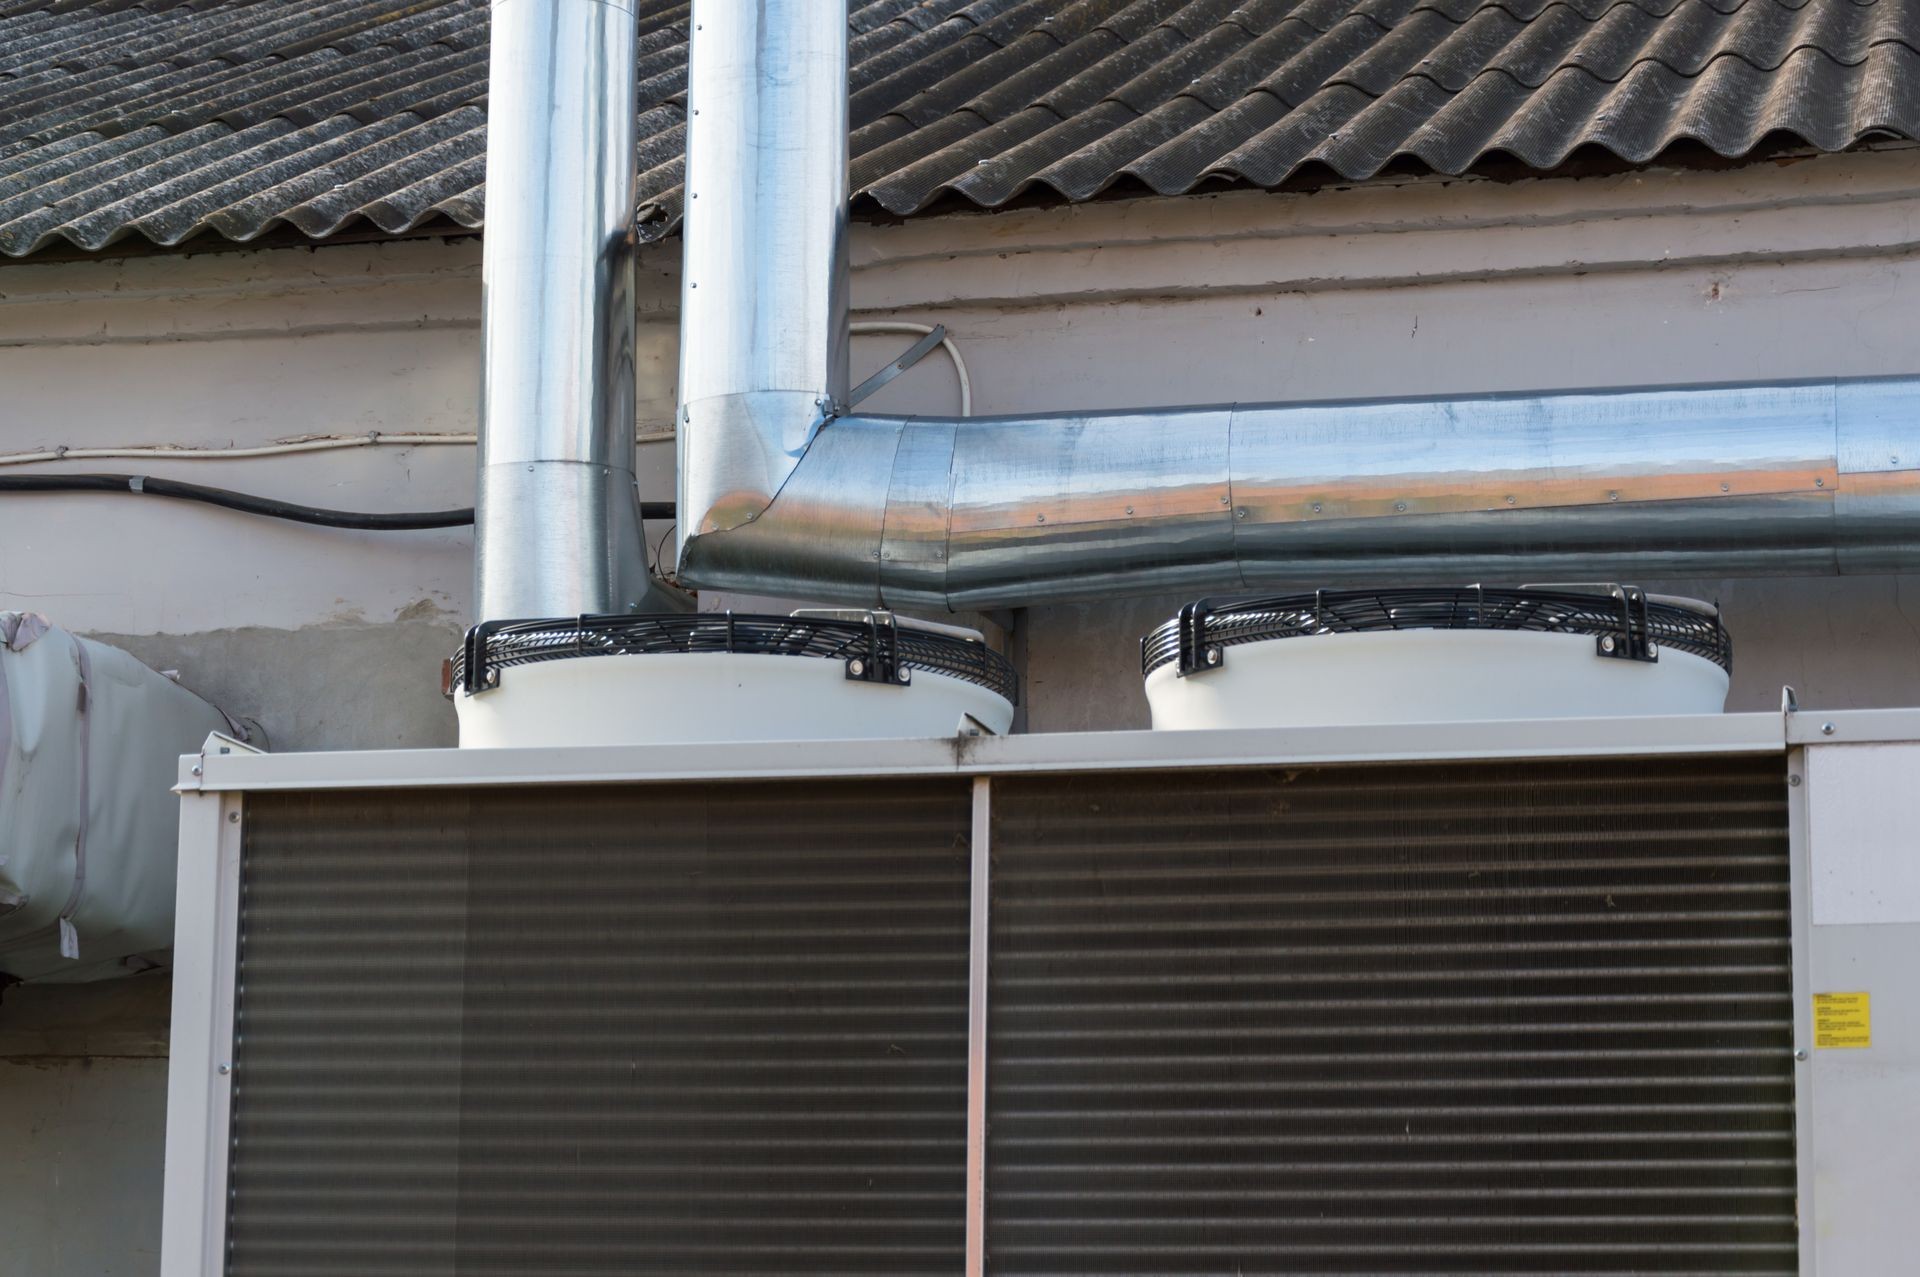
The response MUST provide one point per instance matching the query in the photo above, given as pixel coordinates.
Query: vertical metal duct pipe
(781, 492)
(763, 303)
(557, 531)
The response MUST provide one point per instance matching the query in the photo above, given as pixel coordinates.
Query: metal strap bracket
(882, 663)
(476, 675)
(912, 355)
(1634, 642)
(1197, 656)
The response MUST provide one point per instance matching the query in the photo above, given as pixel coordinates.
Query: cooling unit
(1621, 995)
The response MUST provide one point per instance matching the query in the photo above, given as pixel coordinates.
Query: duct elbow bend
(737, 451)
(812, 524)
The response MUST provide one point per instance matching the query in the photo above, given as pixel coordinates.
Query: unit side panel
(1863, 806)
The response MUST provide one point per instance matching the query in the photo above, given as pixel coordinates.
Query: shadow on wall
(83, 1111)
(321, 688)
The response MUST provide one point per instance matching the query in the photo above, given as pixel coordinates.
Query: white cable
(953, 353)
(170, 452)
(376, 439)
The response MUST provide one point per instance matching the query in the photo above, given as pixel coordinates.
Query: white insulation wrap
(90, 741)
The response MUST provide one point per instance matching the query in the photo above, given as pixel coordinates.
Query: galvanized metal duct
(782, 493)
(556, 530)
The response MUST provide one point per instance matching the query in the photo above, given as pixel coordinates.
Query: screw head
(1039, 518)
(1653, 649)
(1213, 656)
(1800, 1054)
(1827, 729)
(856, 667)
(905, 675)
(197, 769)
(1400, 506)
(225, 1069)
(1316, 507)
(1240, 513)
(233, 818)
(1607, 643)
(1794, 781)
(1129, 509)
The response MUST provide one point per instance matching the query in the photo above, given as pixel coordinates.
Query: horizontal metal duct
(1798, 478)
(781, 493)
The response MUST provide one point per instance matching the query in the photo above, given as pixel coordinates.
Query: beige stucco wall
(330, 638)
(333, 639)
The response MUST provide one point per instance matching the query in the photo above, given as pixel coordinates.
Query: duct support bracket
(912, 355)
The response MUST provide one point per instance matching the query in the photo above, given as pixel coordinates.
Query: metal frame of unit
(1853, 1212)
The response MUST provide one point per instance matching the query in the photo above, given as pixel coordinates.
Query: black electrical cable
(266, 507)
(147, 485)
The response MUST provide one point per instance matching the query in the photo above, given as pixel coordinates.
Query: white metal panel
(979, 874)
(1811, 726)
(1864, 1125)
(1864, 809)
(1798, 889)
(986, 756)
(1860, 1116)
(199, 1076)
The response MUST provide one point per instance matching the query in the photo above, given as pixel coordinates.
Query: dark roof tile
(1239, 72)
(173, 118)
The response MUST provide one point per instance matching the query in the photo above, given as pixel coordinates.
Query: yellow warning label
(1842, 1019)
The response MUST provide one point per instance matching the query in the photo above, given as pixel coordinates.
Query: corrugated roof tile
(1239, 72)
(1028, 163)
(173, 118)
(908, 189)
